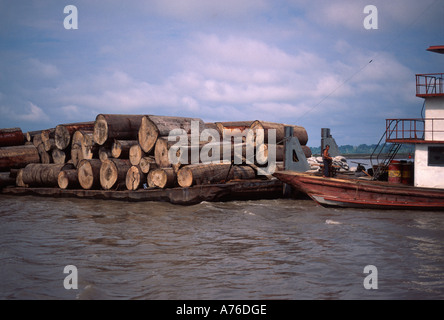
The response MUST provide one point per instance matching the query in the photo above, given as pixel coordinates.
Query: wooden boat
(359, 193)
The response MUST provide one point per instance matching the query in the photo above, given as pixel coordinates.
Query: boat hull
(355, 193)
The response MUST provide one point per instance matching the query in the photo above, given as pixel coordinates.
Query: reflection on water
(270, 249)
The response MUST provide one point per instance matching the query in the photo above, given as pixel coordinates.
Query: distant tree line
(365, 149)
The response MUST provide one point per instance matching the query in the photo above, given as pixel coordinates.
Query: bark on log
(298, 131)
(64, 132)
(113, 173)
(29, 136)
(212, 173)
(45, 157)
(162, 178)
(136, 154)
(43, 175)
(153, 127)
(135, 178)
(18, 156)
(88, 172)
(147, 163)
(234, 128)
(121, 148)
(68, 179)
(116, 126)
(11, 137)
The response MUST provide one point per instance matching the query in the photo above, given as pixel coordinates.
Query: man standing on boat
(327, 161)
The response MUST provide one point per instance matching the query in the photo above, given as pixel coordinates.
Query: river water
(266, 249)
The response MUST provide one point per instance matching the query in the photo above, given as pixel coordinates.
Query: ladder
(383, 154)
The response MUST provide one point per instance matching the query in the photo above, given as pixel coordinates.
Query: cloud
(32, 114)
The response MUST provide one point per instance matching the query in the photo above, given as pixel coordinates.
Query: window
(436, 156)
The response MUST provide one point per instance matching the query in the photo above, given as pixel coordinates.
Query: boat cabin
(426, 133)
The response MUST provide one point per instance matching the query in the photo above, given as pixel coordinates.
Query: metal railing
(431, 84)
(414, 130)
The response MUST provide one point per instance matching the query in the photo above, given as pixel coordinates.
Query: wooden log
(149, 179)
(45, 157)
(11, 137)
(136, 154)
(68, 179)
(162, 178)
(147, 163)
(43, 175)
(152, 127)
(64, 132)
(37, 140)
(88, 172)
(116, 126)
(104, 153)
(234, 128)
(48, 141)
(113, 173)
(83, 146)
(212, 173)
(121, 148)
(29, 136)
(19, 179)
(298, 131)
(135, 178)
(18, 156)
(60, 156)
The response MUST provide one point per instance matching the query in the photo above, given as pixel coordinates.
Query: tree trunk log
(43, 175)
(153, 127)
(88, 172)
(116, 126)
(147, 163)
(196, 174)
(68, 179)
(59, 156)
(104, 153)
(121, 148)
(162, 178)
(18, 156)
(136, 154)
(298, 131)
(48, 138)
(113, 173)
(64, 132)
(83, 146)
(135, 178)
(19, 179)
(11, 137)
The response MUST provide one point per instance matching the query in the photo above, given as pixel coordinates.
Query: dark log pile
(134, 152)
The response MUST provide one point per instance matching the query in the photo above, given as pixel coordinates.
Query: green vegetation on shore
(364, 149)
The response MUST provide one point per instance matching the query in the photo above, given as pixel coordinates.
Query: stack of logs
(117, 152)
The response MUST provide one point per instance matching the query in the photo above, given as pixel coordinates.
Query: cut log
(135, 178)
(152, 127)
(298, 131)
(195, 174)
(48, 139)
(45, 157)
(113, 173)
(19, 179)
(59, 156)
(163, 178)
(83, 146)
(116, 126)
(29, 136)
(64, 132)
(18, 156)
(88, 172)
(136, 154)
(104, 153)
(149, 179)
(68, 179)
(147, 163)
(234, 128)
(121, 148)
(43, 175)
(11, 137)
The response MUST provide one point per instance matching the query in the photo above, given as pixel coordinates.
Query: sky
(311, 63)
